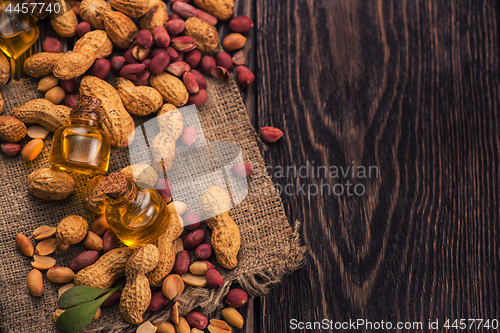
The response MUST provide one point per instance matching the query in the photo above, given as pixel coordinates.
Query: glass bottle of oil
(81, 146)
(18, 29)
(137, 216)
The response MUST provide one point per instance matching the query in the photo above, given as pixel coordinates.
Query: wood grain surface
(410, 87)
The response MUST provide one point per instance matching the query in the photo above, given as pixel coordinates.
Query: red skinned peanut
(190, 82)
(202, 83)
(175, 27)
(193, 58)
(100, 68)
(69, 86)
(199, 98)
(83, 28)
(159, 63)
(188, 136)
(244, 76)
(192, 221)
(162, 38)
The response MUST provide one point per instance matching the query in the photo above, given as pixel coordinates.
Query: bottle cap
(87, 109)
(115, 186)
(118, 188)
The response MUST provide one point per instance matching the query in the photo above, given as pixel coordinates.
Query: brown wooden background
(410, 86)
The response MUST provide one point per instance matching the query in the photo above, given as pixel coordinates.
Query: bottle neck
(84, 122)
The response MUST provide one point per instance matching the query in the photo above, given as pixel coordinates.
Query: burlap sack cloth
(269, 246)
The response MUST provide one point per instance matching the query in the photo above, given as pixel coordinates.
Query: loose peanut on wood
(218, 326)
(233, 317)
(226, 239)
(136, 295)
(71, 230)
(50, 184)
(105, 271)
(166, 250)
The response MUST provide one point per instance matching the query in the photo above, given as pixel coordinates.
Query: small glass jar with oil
(18, 29)
(137, 216)
(81, 146)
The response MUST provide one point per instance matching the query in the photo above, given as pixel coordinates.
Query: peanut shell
(92, 11)
(4, 70)
(44, 113)
(98, 40)
(50, 184)
(11, 129)
(114, 118)
(202, 33)
(65, 21)
(138, 100)
(95, 199)
(131, 8)
(155, 16)
(41, 64)
(171, 88)
(222, 9)
(120, 29)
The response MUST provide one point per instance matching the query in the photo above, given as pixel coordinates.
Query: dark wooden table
(411, 87)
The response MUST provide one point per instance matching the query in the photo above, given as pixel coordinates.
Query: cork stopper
(87, 110)
(115, 186)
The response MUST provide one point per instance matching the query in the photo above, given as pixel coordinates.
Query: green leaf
(78, 317)
(78, 295)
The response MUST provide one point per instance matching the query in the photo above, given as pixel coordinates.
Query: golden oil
(18, 31)
(81, 146)
(137, 216)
